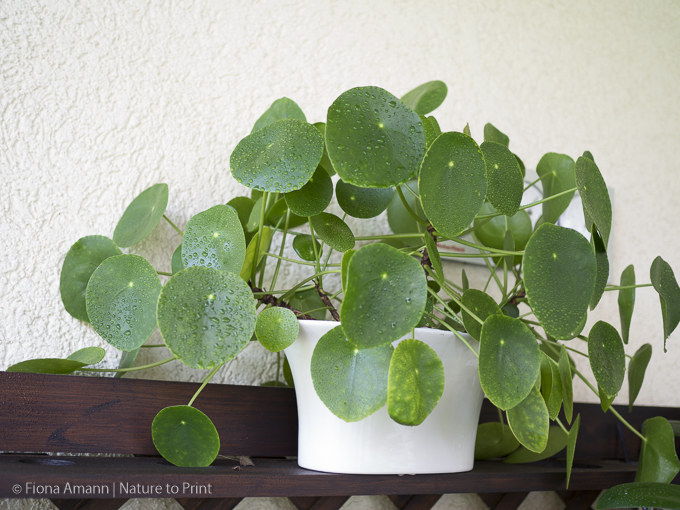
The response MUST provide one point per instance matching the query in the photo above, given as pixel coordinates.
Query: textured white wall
(99, 100)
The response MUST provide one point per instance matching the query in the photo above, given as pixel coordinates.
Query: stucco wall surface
(99, 100)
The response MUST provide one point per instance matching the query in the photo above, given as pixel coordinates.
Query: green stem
(562, 426)
(301, 262)
(412, 192)
(460, 337)
(537, 180)
(173, 226)
(613, 287)
(567, 348)
(316, 251)
(500, 417)
(262, 293)
(205, 381)
(485, 248)
(150, 346)
(283, 245)
(335, 295)
(294, 289)
(133, 369)
(163, 273)
(307, 312)
(265, 198)
(408, 207)
(533, 204)
(389, 236)
(468, 255)
(492, 270)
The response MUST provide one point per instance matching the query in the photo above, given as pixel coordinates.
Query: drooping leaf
(605, 400)
(607, 357)
(636, 372)
(47, 366)
(385, 296)
(247, 268)
(80, 262)
(333, 231)
(564, 364)
(255, 214)
(435, 258)
(325, 160)
(551, 385)
(303, 244)
(522, 168)
(280, 157)
(602, 267)
(431, 130)
(557, 441)
(664, 282)
(88, 355)
(313, 197)
(185, 437)
(658, 459)
(362, 202)
(243, 207)
(493, 440)
(308, 300)
(529, 421)
(121, 301)
(452, 183)
(509, 361)
(571, 446)
(559, 275)
(280, 109)
(206, 316)
(276, 328)
(491, 232)
(491, 134)
(504, 178)
(344, 266)
(465, 282)
(373, 139)
(626, 301)
(141, 216)
(426, 98)
(177, 264)
(351, 382)
(557, 175)
(415, 382)
(214, 238)
(636, 494)
(595, 196)
(127, 359)
(482, 305)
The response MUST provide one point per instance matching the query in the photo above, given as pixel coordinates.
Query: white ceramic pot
(443, 443)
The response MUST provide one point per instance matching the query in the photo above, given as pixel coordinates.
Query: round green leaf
(639, 494)
(607, 357)
(185, 437)
(141, 216)
(351, 382)
(559, 276)
(626, 301)
(80, 262)
(362, 202)
(280, 109)
(504, 178)
(243, 207)
(426, 98)
(482, 305)
(415, 383)
(494, 439)
(121, 301)
(595, 196)
(491, 134)
(206, 316)
(88, 355)
(214, 238)
(304, 247)
(280, 157)
(509, 361)
(658, 459)
(557, 175)
(333, 231)
(307, 300)
(491, 232)
(313, 197)
(47, 366)
(385, 296)
(373, 139)
(636, 372)
(557, 441)
(529, 422)
(276, 328)
(452, 183)
(177, 264)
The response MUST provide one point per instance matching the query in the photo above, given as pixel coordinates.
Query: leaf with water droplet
(504, 178)
(664, 282)
(426, 98)
(492, 134)
(243, 207)
(559, 276)
(351, 382)
(308, 300)
(595, 196)
(385, 295)
(607, 357)
(280, 109)
(276, 328)
(452, 183)
(177, 264)
(141, 216)
(362, 202)
(391, 133)
(658, 459)
(602, 267)
(216, 237)
(123, 292)
(218, 307)
(80, 262)
(303, 244)
(415, 383)
(557, 175)
(638, 494)
(626, 301)
(333, 231)
(185, 437)
(313, 197)
(280, 157)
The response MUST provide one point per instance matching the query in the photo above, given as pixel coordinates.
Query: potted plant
(389, 297)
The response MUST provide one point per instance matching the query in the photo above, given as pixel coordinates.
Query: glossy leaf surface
(247, 268)
(664, 282)
(373, 139)
(493, 440)
(571, 446)
(280, 109)
(88, 355)
(607, 357)
(504, 178)
(595, 196)
(491, 134)
(47, 366)
(557, 175)
(308, 300)
(452, 183)
(177, 264)
(142, 216)
(557, 440)
(426, 98)
(333, 231)
(435, 258)
(313, 197)
(276, 328)
(482, 305)
(529, 421)
(243, 207)
(385, 296)
(602, 267)
(303, 244)
(636, 372)
(344, 266)
(551, 385)
(564, 364)
(626, 301)
(185, 437)
(362, 202)
(647, 494)
(658, 459)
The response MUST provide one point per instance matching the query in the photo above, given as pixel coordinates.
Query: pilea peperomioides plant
(436, 187)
